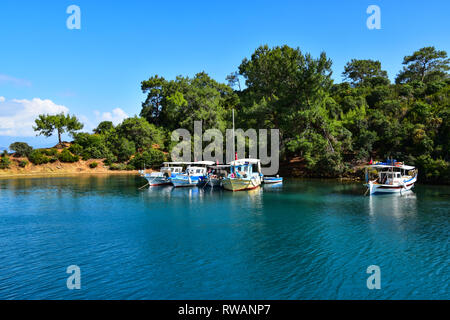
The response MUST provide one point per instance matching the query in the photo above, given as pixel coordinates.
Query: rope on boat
(209, 178)
(144, 186)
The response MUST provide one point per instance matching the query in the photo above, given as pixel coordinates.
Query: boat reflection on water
(248, 200)
(171, 192)
(160, 190)
(394, 205)
(187, 193)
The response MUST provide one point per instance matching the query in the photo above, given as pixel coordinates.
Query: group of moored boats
(242, 174)
(390, 176)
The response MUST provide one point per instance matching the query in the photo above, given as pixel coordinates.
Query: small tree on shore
(4, 160)
(46, 125)
(21, 149)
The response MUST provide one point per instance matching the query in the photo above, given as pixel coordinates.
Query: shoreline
(53, 174)
(11, 174)
(58, 168)
(343, 180)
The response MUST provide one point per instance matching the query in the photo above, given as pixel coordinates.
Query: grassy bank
(17, 168)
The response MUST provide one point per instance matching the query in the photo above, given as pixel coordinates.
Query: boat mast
(234, 148)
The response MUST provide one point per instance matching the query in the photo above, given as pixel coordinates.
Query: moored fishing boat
(194, 175)
(245, 174)
(392, 177)
(272, 180)
(168, 170)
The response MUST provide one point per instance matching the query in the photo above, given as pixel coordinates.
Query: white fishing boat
(245, 174)
(194, 175)
(391, 177)
(168, 170)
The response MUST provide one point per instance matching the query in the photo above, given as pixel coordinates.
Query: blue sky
(95, 72)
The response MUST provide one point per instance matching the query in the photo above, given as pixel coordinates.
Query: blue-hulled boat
(273, 180)
(195, 175)
(167, 171)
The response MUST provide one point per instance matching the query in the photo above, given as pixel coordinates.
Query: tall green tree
(47, 124)
(178, 103)
(282, 84)
(140, 132)
(365, 72)
(289, 90)
(104, 127)
(425, 65)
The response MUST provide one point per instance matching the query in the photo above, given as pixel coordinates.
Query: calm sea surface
(304, 240)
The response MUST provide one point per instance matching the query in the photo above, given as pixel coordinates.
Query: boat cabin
(196, 171)
(391, 174)
(175, 170)
(198, 168)
(245, 168)
(172, 167)
(388, 177)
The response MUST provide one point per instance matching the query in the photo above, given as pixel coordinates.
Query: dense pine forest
(328, 128)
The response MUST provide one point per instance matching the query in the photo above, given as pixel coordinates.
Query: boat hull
(269, 180)
(158, 181)
(236, 184)
(179, 182)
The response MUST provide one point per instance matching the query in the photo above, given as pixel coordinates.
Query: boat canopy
(384, 166)
(220, 166)
(176, 163)
(204, 163)
(241, 162)
(196, 170)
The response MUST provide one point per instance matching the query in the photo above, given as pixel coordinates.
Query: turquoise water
(304, 240)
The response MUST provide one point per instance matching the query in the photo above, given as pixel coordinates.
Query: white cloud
(5, 79)
(88, 125)
(116, 116)
(2, 99)
(17, 116)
